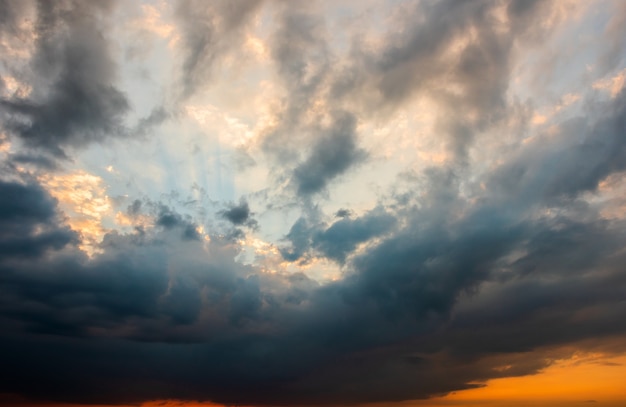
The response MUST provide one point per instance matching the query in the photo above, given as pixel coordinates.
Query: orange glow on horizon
(572, 382)
(587, 380)
(18, 401)
(174, 403)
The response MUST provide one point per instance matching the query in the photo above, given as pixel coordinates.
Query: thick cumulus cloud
(441, 286)
(72, 73)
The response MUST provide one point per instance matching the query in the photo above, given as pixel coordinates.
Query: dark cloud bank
(436, 301)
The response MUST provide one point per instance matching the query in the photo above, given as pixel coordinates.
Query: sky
(409, 203)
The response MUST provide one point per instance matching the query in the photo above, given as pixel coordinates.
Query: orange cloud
(84, 200)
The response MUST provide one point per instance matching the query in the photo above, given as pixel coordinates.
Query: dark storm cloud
(157, 316)
(333, 154)
(72, 72)
(381, 338)
(50, 287)
(28, 221)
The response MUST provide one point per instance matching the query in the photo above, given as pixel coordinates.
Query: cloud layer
(488, 243)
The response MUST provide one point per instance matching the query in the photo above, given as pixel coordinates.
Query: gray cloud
(455, 279)
(300, 238)
(333, 154)
(156, 117)
(74, 101)
(169, 219)
(303, 63)
(240, 215)
(38, 160)
(209, 31)
(415, 58)
(29, 221)
(13, 11)
(339, 239)
(576, 160)
(614, 52)
(168, 310)
(301, 54)
(342, 237)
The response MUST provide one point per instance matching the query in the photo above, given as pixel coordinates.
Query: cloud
(575, 159)
(208, 32)
(13, 12)
(133, 276)
(342, 237)
(333, 154)
(76, 102)
(240, 215)
(169, 219)
(424, 52)
(29, 221)
(434, 292)
(474, 265)
(458, 55)
(157, 116)
(338, 240)
(300, 238)
(38, 160)
(302, 58)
